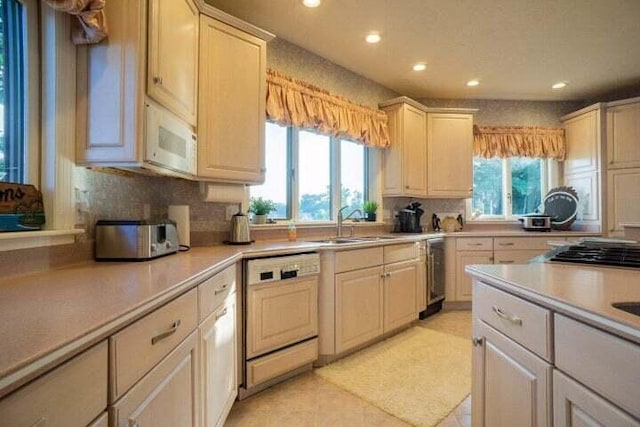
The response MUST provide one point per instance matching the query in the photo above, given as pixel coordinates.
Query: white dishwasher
(280, 305)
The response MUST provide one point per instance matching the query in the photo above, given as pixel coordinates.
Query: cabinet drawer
(70, 395)
(281, 362)
(588, 355)
(213, 291)
(137, 348)
(522, 321)
(474, 243)
(402, 252)
(515, 257)
(357, 259)
(518, 243)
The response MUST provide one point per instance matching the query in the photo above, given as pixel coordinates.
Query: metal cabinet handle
(167, 333)
(385, 274)
(474, 244)
(224, 313)
(506, 261)
(508, 317)
(506, 244)
(157, 80)
(432, 274)
(221, 289)
(477, 341)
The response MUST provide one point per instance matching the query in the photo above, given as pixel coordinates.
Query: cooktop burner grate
(598, 254)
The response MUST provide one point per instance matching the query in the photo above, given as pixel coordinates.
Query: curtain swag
(91, 24)
(297, 103)
(490, 141)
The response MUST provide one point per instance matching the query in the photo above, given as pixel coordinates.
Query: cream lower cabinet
(463, 290)
(358, 307)
(231, 107)
(400, 283)
(167, 396)
(73, 394)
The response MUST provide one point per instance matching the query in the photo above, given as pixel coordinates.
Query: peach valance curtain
(493, 141)
(91, 24)
(297, 103)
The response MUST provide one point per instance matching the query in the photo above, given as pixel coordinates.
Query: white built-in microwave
(170, 143)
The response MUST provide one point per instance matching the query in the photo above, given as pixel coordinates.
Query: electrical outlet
(231, 211)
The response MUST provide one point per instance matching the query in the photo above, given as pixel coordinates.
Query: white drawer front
(358, 258)
(522, 321)
(517, 243)
(608, 365)
(474, 243)
(268, 367)
(213, 291)
(403, 252)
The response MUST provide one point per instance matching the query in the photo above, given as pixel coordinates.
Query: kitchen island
(549, 347)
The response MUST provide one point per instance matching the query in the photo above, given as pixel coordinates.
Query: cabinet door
(576, 406)
(463, 280)
(231, 105)
(172, 67)
(623, 136)
(400, 284)
(405, 162)
(218, 358)
(421, 288)
(167, 396)
(450, 155)
(358, 307)
(622, 199)
(587, 185)
(582, 135)
(510, 385)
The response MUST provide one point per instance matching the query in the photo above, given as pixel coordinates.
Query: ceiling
(516, 48)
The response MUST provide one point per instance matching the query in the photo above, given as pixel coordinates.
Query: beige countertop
(582, 292)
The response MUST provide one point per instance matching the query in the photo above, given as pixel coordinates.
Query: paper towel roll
(180, 214)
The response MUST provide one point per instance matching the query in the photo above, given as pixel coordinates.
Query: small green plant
(370, 207)
(260, 206)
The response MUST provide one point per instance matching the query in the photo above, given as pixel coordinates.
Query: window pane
(275, 183)
(314, 177)
(487, 187)
(351, 175)
(526, 185)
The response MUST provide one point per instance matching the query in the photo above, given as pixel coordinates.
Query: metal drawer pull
(221, 289)
(476, 341)
(506, 261)
(165, 334)
(506, 244)
(474, 244)
(509, 317)
(224, 313)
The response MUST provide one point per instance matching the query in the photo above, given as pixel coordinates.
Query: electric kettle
(239, 233)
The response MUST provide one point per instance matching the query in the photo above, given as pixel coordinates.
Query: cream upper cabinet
(172, 67)
(623, 134)
(623, 195)
(405, 162)
(231, 104)
(582, 134)
(450, 155)
(400, 283)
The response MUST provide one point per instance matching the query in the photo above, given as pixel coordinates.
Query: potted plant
(370, 207)
(260, 208)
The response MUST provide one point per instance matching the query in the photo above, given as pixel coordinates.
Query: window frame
(547, 180)
(335, 183)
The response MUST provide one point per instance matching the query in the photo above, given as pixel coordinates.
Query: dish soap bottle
(291, 231)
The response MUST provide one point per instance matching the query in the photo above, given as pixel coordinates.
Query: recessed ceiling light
(473, 83)
(373, 38)
(311, 3)
(420, 66)
(558, 85)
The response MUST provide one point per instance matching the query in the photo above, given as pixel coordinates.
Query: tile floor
(308, 400)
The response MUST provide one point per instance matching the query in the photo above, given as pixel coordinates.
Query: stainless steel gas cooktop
(594, 253)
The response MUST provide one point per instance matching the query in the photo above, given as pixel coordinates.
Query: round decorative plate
(561, 203)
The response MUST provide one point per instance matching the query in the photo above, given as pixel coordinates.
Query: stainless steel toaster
(135, 240)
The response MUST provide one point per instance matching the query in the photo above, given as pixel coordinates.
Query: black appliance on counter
(408, 219)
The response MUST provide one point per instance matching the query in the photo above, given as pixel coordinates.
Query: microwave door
(170, 143)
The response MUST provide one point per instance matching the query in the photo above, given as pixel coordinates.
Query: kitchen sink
(337, 241)
(629, 307)
(353, 239)
(373, 238)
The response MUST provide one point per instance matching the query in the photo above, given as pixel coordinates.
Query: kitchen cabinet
(73, 394)
(623, 134)
(218, 346)
(172, 67)
(463, 291)
(511, 385)
(449, 155)
(405, 162)
(231, 104)
(623, 194)
(359, 307)
(167, 396)
(400, 283)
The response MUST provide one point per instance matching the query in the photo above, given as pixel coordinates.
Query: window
(504, 188)
(310, 174)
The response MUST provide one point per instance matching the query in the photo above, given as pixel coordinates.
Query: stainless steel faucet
(341, 218)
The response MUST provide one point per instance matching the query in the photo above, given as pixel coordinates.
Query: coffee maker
(408, 219)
